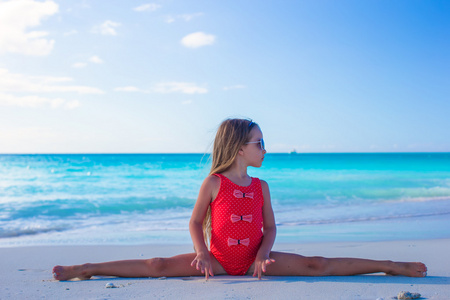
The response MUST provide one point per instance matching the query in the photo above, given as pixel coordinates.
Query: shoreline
(374, 230)
(26, 273)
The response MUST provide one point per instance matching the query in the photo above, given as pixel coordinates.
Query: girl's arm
(270, 231)
(207, 193)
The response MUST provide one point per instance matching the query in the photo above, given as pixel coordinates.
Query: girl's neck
(238, 175)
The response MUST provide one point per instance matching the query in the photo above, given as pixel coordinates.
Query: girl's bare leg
(296, 265)
(175, 266)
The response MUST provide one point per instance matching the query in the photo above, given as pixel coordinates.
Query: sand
(26, 274)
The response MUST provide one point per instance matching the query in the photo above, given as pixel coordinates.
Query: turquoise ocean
(128, 199)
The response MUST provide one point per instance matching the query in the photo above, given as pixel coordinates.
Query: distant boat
(293, 151)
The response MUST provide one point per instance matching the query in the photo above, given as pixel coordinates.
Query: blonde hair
(230, 137)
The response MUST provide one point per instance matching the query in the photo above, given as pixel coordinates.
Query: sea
(132, 199)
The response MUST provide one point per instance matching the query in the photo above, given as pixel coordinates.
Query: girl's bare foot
(410, 269)
(70, 272)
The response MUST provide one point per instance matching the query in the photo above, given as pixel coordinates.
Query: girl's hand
(261, 262)
(202, 262)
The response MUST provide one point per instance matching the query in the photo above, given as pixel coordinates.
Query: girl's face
(253, 152)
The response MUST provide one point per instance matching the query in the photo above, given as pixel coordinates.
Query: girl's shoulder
(264, 185)
(219, 176)
(263, 182)
(212, 180)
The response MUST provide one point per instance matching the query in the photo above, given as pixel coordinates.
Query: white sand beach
(26, 274)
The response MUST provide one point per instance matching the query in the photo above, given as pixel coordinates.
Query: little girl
(234, 213)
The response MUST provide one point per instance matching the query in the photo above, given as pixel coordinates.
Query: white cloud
(147, 7)
(79, 65)
(34, 101)
(72, 32)
(178, 87)
(170, 19)
(95, 59)
(128, 89)
(184, 17)
(27, 133)
(234, 87)
(167, 88)
(189, 17)
(21, 90)
(71, 104)
(10, 82)
(107, 28)
(198, 39)
(16, 18)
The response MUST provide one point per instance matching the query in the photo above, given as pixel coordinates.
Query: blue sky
(152, 77)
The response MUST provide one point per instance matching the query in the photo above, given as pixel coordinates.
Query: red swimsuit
(236, 225)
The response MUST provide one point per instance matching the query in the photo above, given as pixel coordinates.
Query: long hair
(230, 137)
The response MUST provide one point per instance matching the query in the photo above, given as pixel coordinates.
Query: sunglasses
(260, 142)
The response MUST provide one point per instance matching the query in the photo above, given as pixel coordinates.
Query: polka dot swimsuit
(236, 225)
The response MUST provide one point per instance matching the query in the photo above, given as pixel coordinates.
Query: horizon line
(206, 153)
